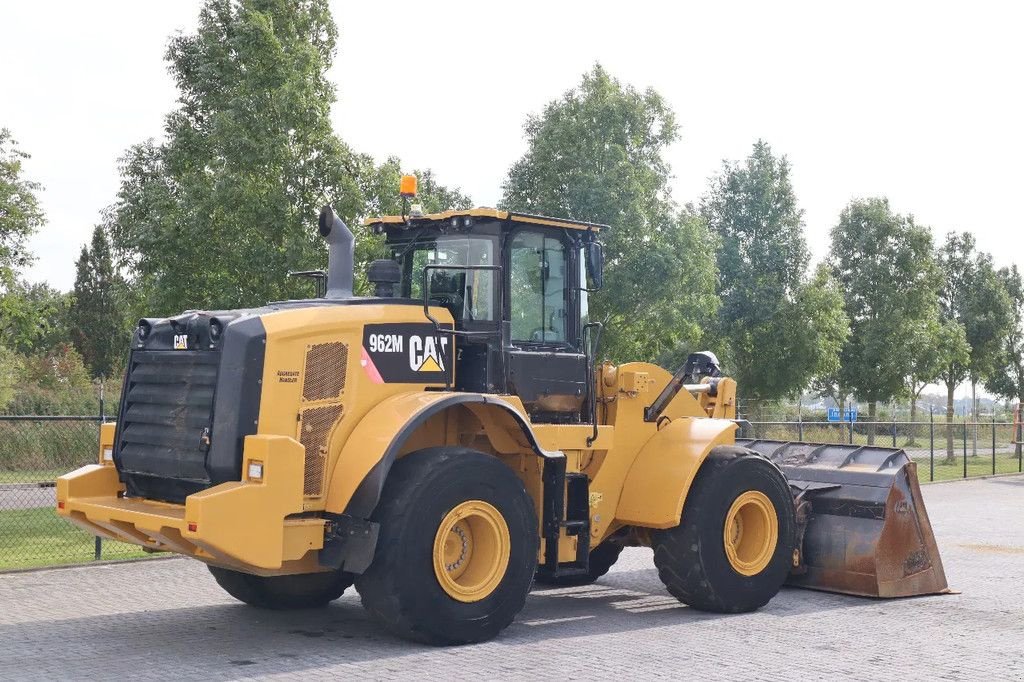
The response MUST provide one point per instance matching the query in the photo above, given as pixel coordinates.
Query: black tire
(602, 558)
(691, 557)
(401, 589)
(283, 592)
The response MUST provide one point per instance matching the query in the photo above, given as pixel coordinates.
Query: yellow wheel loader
(451, 439)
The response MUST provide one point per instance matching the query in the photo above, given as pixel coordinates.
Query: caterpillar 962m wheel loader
(450, 439)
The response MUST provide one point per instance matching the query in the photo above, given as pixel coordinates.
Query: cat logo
(407, 353)
(181, 342)
(424, 354)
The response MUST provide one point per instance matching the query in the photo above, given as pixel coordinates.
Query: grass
(33, 475)
(976, 466)
(38, 537)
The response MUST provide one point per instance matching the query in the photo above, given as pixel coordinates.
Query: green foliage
(936, 344)
(885, 266)
(217, 215)
(33, 317)
(98, 318)
(780, 328)
(10, 369)
(54, 382)
(974, 296)
(1007, 377)
(20, 215)
(597, 154)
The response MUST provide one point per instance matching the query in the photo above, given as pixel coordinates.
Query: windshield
(467, 294)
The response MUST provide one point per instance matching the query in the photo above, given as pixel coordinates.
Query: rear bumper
(249, 525)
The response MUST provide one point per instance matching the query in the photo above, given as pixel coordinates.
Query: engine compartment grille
(166, 419)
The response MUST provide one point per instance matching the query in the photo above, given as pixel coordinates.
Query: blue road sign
(849, 414)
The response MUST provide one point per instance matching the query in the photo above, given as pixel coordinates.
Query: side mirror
(594, 251)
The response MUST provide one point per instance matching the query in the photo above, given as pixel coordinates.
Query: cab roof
(484, 213)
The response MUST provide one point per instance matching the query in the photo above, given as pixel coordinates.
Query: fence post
(965, 448)
(931, 433)
(993, 445)
(800, 427)
(894, 432)
(851, 429)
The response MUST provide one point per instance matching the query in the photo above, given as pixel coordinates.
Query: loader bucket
(862, 526)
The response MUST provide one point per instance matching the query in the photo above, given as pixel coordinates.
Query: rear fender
(657, 484)
(375, 443)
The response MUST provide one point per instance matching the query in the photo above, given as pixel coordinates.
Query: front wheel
(732, 551)
(283, 592)
(457, 548)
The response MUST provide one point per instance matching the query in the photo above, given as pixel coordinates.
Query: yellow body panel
(639, 473)
(655, 488)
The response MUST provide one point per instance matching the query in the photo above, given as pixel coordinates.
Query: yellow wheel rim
(751, 533)
(471, 551)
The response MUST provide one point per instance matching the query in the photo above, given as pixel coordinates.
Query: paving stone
(168, 619)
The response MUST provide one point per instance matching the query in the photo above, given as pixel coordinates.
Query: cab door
(547, 369)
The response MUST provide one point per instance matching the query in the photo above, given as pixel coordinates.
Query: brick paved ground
(167, 618)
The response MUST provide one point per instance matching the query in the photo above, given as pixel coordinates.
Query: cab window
(537, 288)
(467, 294)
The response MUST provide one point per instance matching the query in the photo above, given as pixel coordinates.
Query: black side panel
(552, 386)
(238, 397)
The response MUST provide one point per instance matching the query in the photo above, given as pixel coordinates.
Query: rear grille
(314, 428)
(165, 414)
(323, 382)
(324, 375)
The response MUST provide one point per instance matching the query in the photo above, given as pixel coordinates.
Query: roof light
(407, 187)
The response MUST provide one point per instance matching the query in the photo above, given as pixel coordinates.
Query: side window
(537, 284)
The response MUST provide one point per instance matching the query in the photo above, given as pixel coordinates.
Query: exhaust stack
(340, 253)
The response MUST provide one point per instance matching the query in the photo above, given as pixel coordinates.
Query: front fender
(374, 444)
(657, 484)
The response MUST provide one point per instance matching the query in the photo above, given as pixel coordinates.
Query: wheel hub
(751, 533)
(471, 551)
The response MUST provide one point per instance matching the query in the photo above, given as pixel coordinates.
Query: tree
(956, 261)
(781, 328)
(33, 317)
(99, 322)
(886, 268)
(597, 154)
(1007, 378)
(935, 345)
(218, 214)
(987, 317)
(20, 215)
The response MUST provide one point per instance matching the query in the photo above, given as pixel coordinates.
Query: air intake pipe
(340, 253)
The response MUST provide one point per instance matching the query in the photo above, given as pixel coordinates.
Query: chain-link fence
(942, 451)
(34, 451)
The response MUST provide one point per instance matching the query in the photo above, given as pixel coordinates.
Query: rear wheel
(733, 549)
(602, 558)
(457, 548)
(281, 592)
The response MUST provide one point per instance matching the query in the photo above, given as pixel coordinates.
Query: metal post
(931, 431)
(965, 446)
(894, 431)
(993, 445)
(98, 548)
(800, 427)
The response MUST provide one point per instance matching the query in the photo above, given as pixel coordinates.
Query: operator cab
(516, 286)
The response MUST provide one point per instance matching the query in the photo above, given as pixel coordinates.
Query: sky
(917, 101)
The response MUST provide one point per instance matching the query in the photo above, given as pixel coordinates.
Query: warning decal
(407, 353)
